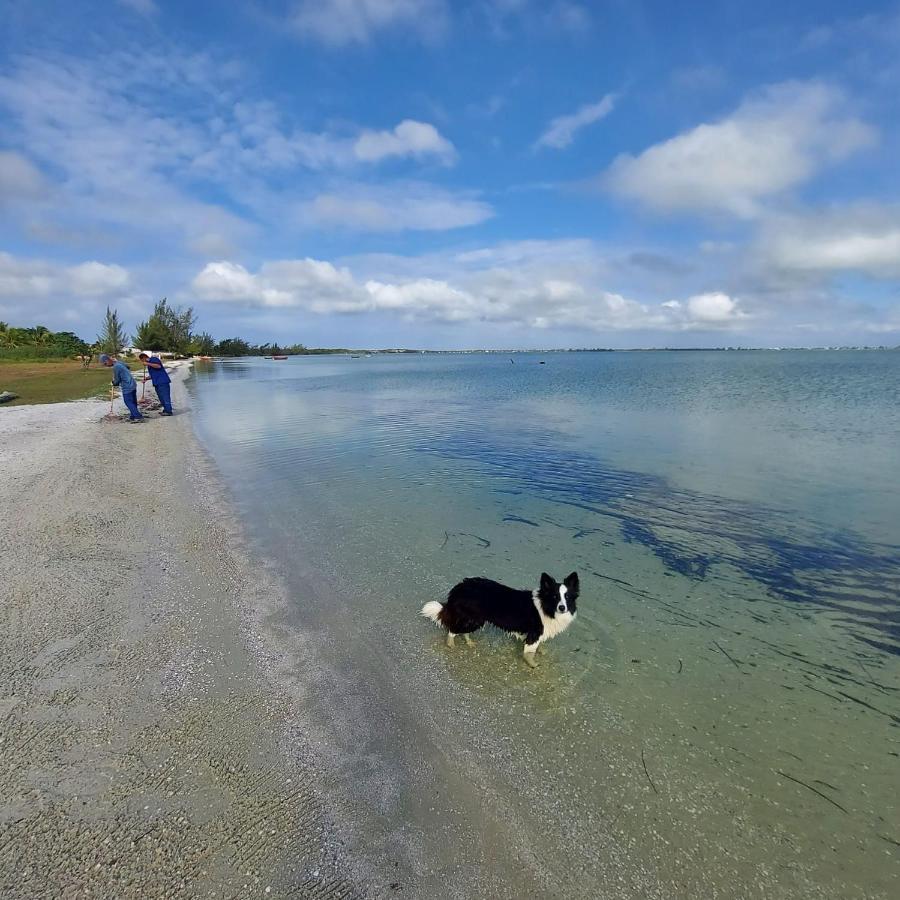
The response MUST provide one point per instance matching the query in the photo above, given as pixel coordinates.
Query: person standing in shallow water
(123, 379)
(161, 381)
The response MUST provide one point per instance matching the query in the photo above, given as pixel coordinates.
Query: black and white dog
(534, 616)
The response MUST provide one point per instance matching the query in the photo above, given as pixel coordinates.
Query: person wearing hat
(161, 381)
(123, 379)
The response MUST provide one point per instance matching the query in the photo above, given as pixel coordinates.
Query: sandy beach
(140, 749)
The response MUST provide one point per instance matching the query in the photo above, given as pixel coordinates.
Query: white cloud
(19, 178)
(409, 206)
(343, 22)
(409, 138)
(772, 142)
(863, 239)
(121, 155)
(25, 279)
(486, 287)
(714, 309)
(94, 279)
(562, 130)
(128, 165)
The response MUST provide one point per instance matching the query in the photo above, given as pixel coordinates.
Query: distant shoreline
(323, 351)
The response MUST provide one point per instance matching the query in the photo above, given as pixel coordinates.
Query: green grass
(54, 381)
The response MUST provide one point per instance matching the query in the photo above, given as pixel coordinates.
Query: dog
(532, 616)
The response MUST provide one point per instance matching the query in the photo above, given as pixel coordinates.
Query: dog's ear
(547, 583)
(572, 585)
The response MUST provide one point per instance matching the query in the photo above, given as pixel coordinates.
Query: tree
(167, 329)
(112, 337)
(233, 347)
(203, 344)
(152, 335)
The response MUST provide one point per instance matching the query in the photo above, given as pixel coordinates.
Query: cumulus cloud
(411, 206)
(862, 239)
(562, 130)
(771, 143)
(481, 288)
(409, 138)
(24, 279)
(342, 22)
(714, 309)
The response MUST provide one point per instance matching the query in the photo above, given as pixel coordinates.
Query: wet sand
(142, 747)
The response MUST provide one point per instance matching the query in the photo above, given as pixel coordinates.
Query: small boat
(279, 357)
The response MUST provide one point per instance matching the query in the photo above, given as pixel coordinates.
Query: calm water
(722, 719)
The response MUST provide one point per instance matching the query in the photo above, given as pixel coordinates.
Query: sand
(142, 748)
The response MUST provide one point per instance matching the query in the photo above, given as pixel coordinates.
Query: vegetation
(62, 354)
(170, 330)
(38, 343)
(112, 338)
(53, 380)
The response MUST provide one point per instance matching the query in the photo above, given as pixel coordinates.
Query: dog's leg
(468, 640)
(450, 636)
(529, 654)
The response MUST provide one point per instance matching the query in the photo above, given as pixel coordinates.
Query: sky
(456, 173)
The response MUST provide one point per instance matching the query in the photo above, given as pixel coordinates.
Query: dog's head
(558, 599)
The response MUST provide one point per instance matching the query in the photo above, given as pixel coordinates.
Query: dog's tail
(432, 610)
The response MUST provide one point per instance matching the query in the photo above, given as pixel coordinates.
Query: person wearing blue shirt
(161, 381)
(122, 378)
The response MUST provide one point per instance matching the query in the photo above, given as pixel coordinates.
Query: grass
(53, 382)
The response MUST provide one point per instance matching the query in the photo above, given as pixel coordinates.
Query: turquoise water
(722, 718)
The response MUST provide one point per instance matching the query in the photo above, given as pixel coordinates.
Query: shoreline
(141, 750)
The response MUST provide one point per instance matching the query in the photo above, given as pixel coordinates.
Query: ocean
(722, 718)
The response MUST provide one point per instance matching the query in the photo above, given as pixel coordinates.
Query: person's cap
(104, 359)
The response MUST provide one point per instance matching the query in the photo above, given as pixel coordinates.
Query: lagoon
(722, 718)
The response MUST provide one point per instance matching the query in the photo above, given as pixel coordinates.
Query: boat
(279, 357)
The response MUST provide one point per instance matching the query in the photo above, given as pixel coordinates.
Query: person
(123, 379)
(161, 381)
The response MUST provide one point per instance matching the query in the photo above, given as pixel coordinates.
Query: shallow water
(722, 718)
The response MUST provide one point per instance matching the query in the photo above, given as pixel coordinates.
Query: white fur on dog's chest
(554, 625)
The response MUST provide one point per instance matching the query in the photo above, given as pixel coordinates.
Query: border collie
(533, 616)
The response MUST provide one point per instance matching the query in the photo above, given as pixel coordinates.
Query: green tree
(152, 335)
(203, 344)
(233, 347)
(167, 329)
(112, 336)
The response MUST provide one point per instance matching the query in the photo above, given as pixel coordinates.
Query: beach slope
(139, 750)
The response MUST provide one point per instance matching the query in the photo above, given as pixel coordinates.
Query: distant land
(596, 350)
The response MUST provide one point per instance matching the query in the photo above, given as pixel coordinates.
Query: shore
(140, 750)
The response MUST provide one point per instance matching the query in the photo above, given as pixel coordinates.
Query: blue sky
(490, 173)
